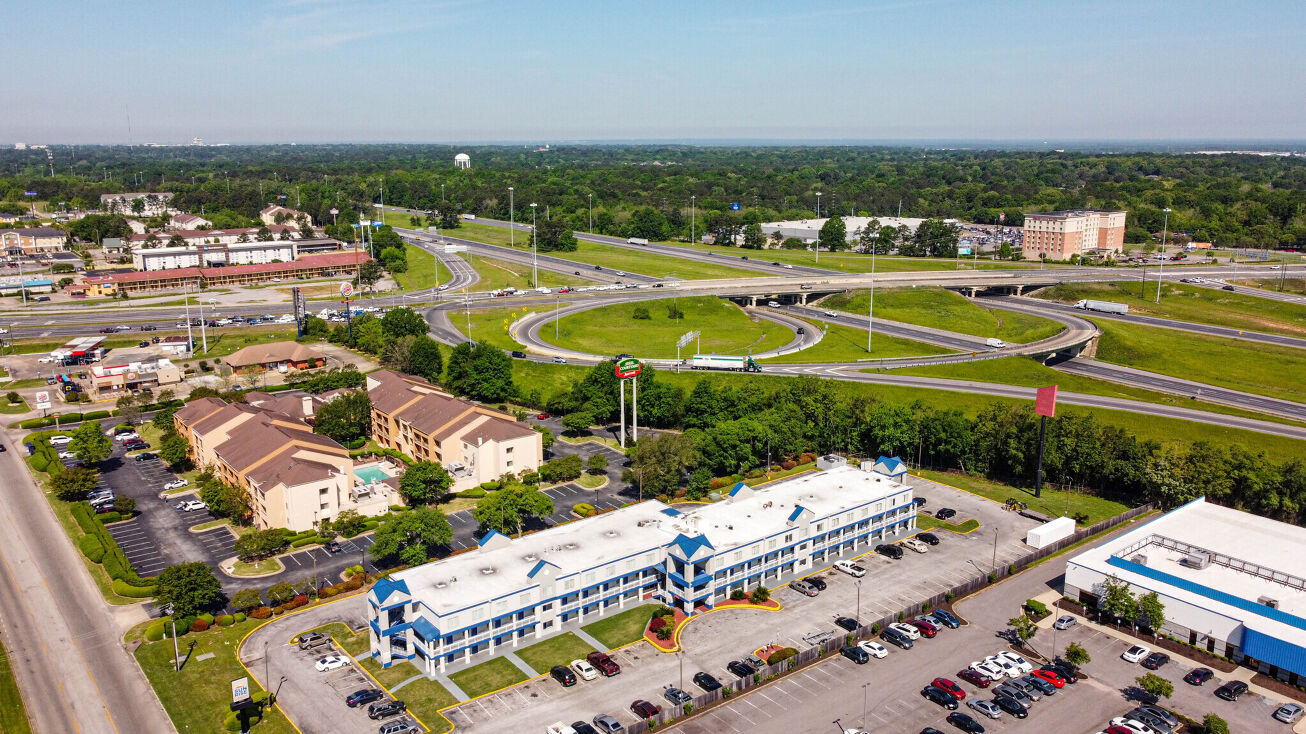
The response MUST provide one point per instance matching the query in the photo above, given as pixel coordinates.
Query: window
(509, 464)
(508, 451)
(789, 537)
(546, 607)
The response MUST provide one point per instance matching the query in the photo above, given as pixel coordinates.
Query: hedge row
(583, 509)
(91, 548)
(122, 588)
(308, 541)
(473, 493)
(115, 562)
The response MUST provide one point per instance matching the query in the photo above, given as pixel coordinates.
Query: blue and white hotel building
(461, 609)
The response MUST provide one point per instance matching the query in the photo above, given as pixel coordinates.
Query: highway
(1257, 292)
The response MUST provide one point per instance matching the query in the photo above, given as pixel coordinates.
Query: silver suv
(313, 639)
(397, 727)
(804, 588)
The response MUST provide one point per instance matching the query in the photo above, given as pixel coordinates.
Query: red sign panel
(1046, 401)
(627, 368)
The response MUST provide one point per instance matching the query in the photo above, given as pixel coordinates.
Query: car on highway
(740, 668)
(518, 354)
(331, 662)
(1198, 676)
(563, 675)
(1227, 288)
(946, 618)
(985, 708)
(358, 698)
(644, 709)
(831, 315)
(906, 629)
(706, 681)
(176, 484)
(850, 568)
(676, 696)
(584, 670)
(953, 689)
(382, 709)
(965, 723)
(1232, 690)
(974, 677)
(1155, 661)
(939, 696)
(191, 506)
(873, 648)
(1065, 622)
(560, 360)
(929, 538)
(915, 545)
(888, 550)
(1136, 653)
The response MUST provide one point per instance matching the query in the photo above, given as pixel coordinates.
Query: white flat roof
(851, 223)
(1277, 548)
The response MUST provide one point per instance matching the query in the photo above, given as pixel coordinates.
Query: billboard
(1045, 402)
(43, 399)
(298, 300)
(628, 368)
(346, 290)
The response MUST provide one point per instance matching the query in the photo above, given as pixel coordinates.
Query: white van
(996, 343)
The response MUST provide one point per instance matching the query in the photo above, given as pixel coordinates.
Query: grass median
(726, 329)
(846, 344)
(1186, 302)
(13, 717)
(940, 308)
(424, 270)
(621, 628)
(499, 274)
(558, 650)
(488, 677)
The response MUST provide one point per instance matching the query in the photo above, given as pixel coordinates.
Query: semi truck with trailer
(637, 241)
(723, 362)
(1103, 306)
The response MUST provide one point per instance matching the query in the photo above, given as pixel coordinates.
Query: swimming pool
(371, 475)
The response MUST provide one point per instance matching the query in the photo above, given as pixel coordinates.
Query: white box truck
(637, 241)
(1103, 306)
(721, 362)
(996, 343)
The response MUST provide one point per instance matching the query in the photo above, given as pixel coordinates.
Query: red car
(973, 677)
(927, 628)
(543, 417)
(604, 663)
(644, 710)
(953, 689)
(1050, 677)
(1119, 730)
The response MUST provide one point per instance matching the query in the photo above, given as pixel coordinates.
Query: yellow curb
(681, 627)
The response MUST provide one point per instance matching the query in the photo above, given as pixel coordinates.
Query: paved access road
(62, 639)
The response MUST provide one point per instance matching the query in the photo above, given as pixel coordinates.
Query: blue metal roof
(1223, 597)
(537, 567)
(671, 512)
(735, 489)
(490, 536)
(427, 630)
(798, 511)
(893, 465)
(689, 546)
(385, 587)
(1274, 651)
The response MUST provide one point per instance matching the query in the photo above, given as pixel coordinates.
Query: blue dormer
(387, 594)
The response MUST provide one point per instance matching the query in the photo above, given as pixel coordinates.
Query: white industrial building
(458, 610)
(1232, 583)
(809, 230)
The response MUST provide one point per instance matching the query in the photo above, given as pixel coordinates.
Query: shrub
(261, 613)
(583, 509)
(901, 616)
(664, 633)
(226, 620)
(239, 617)
(208, 618)
(759, 595)
(875, 628)
(993, 577)
(788, 464)
(949, 596)
(719, 482)
(738, 595)
(490, 486)
(1036, 607)
(154, 632)
(109, 517)
(280, 593)
(781, 655)
(95, 415)
(473, 493)
(91, 548)
(330, 591)
(198, 625)
(13, 397)
(278, 610)
(657, 623)
(806, 458)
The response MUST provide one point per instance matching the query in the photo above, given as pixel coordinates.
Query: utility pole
(693, 200)
(535, 251)
(512, 220)
(1161, 270)
(591, 200)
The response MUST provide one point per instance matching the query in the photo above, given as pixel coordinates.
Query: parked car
(1032, 682)
(1289, 713)
(965, 723)
(891, 551)
(60, 440)
(1136, 653)
(584, 670)
(1198, 676)
(606, 723)
(930, 538)
(676, 696)
(334, 546)
(946, 618)
(1010, 706)
(855, 654)
(581, 727)
(1160, 725)
(740, 668)
(896, 637)
(873, 648)
(1232, 690)
(1133, 725)
(382, 709)
(643, 709)
(939, 696)
(1050, 676)
(906, 629)
(975, 677)
(358, 698)
(191, 505)
(706, 681)
(1065, 622)
(1067, 672)
(1021, 663)
(176, 484)
(985, 668)
(915, 545)
(951, 688)
(605, 664)
(402, 726)
(543, 417)
(331, 662)
(816, 581)
(310, 640)
(1155, 661)
(850, 568)
(1015, 692)
(926, 626)
(802, 587)
(563, 675)
(846, 623)
(986, 708)
(944, 513)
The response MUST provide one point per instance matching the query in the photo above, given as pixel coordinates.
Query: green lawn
(1031, 373)
(422, 270)
(197, 698)
(851, 262)
(490, 235)
(940, 308)
(487, 677)
(498, 274)
(354, 644)
(622, 628)
(9, 408)
(1184, 302)
(559, 650)
(927, 522)
(1290, 285)
(490, 325)
(424, 698)
(1054, 502)
(391, 676)
(13, 717)
(846, 344)
(726, 329)
(1264, 369)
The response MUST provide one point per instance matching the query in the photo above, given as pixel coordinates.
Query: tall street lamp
(535, 257)
(818, 205)
(1165, 224)
(693, 201)
(818, 216)
(591, 199)
(512, 221)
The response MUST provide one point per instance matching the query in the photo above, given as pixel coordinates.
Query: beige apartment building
(474, 443)
(1058, 235)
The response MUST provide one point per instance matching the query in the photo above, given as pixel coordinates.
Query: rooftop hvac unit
(1267, 601)
(1139, 558)
(1197, 560)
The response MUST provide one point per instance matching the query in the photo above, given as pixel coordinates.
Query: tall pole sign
(1045, 405)
(346, 295)
(628, 369)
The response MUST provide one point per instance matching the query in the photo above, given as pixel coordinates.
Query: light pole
(693, 200)
(864, 686)
(512, 221)
(334, 212)
(870, 312)
(535, 257)
(859, 601)
(591, 199)
(1165, 224)
(818, 238)
(680, 658)
(818, 205)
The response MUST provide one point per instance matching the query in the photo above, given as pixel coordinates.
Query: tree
(394, 355)
(90, 444)
(936, 238)
(562, 469)
(597, 463)
(1076, 655)
(657, 463)
(1004, 251)
(425, 358)
(508, 509)
(1152, 610)
(399, 322)
(754, 239)
(834, 234)
(259, 544)
(280, 593)
(370, 337)
(346, 418)
(246, 599)
(640, 313)
(128, 409)
(1155, 685)
(1024, 627)
(395, 259)
(554, 235)
(869, 236)
(424, 483)
(223, 499)
(578, 422)
(647, 223)
(125, 505)
(411, 536)
(480, 372)
(74, 483)
(369, 272)
(1116, 599)
(1212, 724)
(174, 449)
(546, 437)
(190, 588)
(263, 234)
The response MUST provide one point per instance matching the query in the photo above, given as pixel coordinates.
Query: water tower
(462, 160)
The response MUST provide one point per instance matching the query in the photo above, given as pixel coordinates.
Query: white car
(1136, 653)
(60, 440)
(1009, 668)
(906, 629)
(545, 291)
(1133, 725)
(584, 669)
(773, 304)
(850, 568)
(191, 505)
(873, 648)
(831, 314)
(915, 545)
(45, 360)
(331, 662)
(1021, 663)
(988, 670)
(67, 455)
(176, 484)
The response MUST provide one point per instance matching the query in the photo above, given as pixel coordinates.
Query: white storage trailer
(1103, 306)
(722, 362)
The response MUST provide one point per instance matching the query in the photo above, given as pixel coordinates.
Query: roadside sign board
(734, 206)
(346, 290)
(687, 338)
(43, 400)
(1045, 403)
(627, 368)
(240, 690)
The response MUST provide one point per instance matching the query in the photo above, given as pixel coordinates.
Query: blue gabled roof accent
(540, 564)
(735, 489)
(489, 536)
(689, 546)
(892, 465)
(671, 512)
(427, 630)
(797, 513)
(385, 587)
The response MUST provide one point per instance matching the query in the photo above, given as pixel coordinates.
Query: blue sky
(468, 71)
